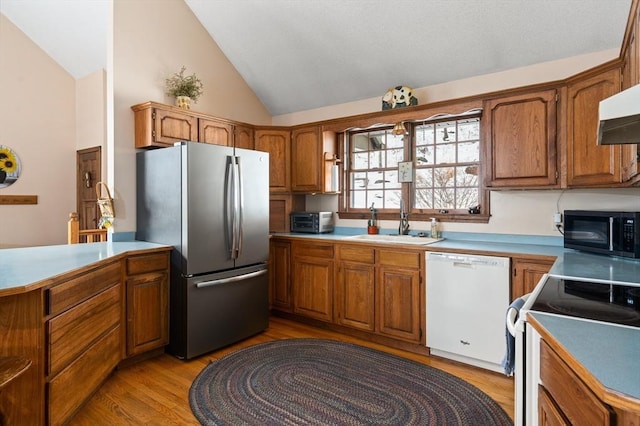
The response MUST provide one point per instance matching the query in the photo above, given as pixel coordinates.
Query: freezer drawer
(218, 310)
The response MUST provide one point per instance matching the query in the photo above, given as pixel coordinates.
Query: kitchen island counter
(29, 268)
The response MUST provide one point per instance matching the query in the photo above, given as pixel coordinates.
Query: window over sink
(445, 159)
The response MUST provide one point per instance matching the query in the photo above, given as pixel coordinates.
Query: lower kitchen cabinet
(280, 276)
(147, 302)
(355, 287)
(359, 286)
(564, 399)
(312, 280)
(398, 294)
(526, 272)
(74, 328)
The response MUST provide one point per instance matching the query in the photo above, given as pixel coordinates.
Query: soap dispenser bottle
(434, 228)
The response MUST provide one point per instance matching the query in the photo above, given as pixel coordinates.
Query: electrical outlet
(557, 220)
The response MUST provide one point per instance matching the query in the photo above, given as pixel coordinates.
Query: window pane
(360, 142)
(465, 178)
(445, 132)
(394, 156)
(376, 180)
(445, 154)
(444, 176)
(375, 160)
(424, 198)
(444, 198)
(424, 134)
(424, 178)
(469, 152)
(392, 199)
(424, 155)
(468, 129)
(360, 161)
(358, 199)
(395, 141)
(358, 181)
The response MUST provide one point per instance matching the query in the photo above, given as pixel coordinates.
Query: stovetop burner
(607, 302)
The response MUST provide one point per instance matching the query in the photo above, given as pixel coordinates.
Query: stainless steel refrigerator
(211, 203)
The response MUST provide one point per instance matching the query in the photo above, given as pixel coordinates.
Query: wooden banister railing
(75, 235)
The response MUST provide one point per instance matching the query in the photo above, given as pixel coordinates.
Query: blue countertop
(23, 267)
(609, 352)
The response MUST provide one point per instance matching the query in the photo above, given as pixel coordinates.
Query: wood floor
(155, 391)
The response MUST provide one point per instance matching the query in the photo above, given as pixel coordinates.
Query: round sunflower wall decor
(9, 166)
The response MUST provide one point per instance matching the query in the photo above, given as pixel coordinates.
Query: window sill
(420, 217)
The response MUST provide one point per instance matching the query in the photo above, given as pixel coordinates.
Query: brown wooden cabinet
(147, 302)
(566, 396)
(280, 276)
(312, 279)
(160, 126)
(215, 132)
(526, 272)
(355, 287)
(243, 137)
(398, 295)
(520, 134)
(310, 173)
(589, 164)
(277, 143)
(84, 330)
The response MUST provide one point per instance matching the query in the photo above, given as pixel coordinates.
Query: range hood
(620, 118)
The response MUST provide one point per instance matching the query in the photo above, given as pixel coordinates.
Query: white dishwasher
(467, 299)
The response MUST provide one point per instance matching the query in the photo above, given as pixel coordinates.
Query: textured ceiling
(303, 54)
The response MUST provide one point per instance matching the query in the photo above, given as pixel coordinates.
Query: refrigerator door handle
(205, 284)
(240, 207)
(234, 200)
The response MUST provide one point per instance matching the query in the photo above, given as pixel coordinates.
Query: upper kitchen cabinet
(158, 125)
(215, 132)
(520, 140)
(313, 155)
(277, 142)
(631, 53)
(589, 164)
(161, 125)
(243, 137)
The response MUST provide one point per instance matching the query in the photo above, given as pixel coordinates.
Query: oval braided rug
(313, 381)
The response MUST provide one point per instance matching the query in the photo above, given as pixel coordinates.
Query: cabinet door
(172, 126)
(355, 288)
(313, 288)
(520, 133)
(571, 395)
(147, 313)
(589, 164)
(279, 275)
(398, 300)
(306, 159)
(243, 137)
(526, 274)
(215, 132)
(278, 144)
(548, 412)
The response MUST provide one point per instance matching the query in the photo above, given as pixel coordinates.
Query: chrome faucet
(403, 229)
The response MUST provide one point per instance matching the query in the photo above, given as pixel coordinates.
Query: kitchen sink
(394, 239)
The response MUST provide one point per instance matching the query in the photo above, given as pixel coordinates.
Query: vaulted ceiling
(304, 54)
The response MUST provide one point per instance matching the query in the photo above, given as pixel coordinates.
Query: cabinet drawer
(76, 383)
(405, 259)
(313, 250)
(357, 254)
(71, 332)
(147, 263)
(74, 291)
(573, 397)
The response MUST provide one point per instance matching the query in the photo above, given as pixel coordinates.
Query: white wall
(37, 120)
(152, 40)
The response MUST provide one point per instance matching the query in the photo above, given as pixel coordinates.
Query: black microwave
(608, 232)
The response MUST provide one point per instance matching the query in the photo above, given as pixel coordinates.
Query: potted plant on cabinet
(184, 88)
